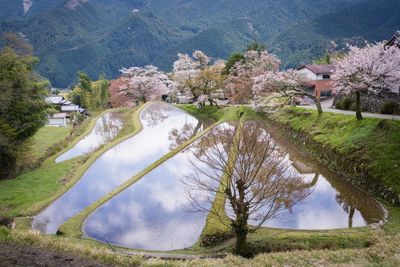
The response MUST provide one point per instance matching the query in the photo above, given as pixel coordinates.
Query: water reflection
(106, 128)
(178, 136)
(153, 213)
(333, 203)
(117, 165)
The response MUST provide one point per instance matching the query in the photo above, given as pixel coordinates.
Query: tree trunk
(241, 243)
(351, 215)
(358, 106)
(8, 163)
(318, 104)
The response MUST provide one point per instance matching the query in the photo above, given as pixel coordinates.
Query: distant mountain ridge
(101, 36)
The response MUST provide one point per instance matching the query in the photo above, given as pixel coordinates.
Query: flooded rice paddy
(160, 122)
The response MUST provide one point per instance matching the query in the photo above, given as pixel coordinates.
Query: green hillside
(100, 36)
(373, 20)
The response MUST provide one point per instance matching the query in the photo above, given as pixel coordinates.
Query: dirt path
(18, 255)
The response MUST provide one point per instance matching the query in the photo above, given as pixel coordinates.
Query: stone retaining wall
(371, 102)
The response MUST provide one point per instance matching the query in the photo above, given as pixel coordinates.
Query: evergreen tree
(23, 109)
(235, 57)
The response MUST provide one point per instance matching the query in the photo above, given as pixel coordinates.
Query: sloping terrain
(99, 36)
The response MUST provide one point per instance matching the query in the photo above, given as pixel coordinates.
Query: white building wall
(57, 122)
(308, 74)
(69, 108)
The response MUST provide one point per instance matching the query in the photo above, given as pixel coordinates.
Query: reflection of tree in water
(352, 199)
(179, 136)
(243, 165)
(347, 205)
(154, 115)
(109, 126)
(349, 198)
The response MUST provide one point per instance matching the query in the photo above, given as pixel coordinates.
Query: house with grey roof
(318, 79)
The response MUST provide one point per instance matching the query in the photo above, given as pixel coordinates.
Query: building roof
(395, 40)
(54, 99)
(319, 69)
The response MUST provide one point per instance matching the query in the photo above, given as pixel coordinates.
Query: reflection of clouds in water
(322, 218)
(106, 128)
(113, 168)
(175, 234)
(319, 211)
(152, 213)
(167, 196)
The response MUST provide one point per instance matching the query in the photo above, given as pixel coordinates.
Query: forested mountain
(101, 36)
(371, 20)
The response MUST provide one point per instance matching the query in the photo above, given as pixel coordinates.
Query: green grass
(205, 113)
(221, 114)
(45, 138)
(17, 195)
(375, 143)
(42, 145)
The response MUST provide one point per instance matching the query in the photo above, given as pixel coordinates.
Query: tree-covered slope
(101, 36)
(372, 20)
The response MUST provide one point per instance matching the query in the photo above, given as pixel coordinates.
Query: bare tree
(243, 165)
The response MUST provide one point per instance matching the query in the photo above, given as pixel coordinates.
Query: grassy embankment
(30, 192)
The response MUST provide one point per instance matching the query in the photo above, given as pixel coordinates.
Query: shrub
(390, 107)
(339, 104)
(347, 101)
(344, 103)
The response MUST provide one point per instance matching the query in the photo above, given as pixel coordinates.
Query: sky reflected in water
(118, 164)
(107, 127)
(154, 213)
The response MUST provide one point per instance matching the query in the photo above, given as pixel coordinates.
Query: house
(318, 79)
(394, 41)
(58, 119)
(55, 99)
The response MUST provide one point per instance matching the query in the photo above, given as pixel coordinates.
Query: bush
(390, 107)
(347, 101)
(344, 103)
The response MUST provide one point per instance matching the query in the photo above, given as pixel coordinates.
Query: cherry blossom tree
(373, 68)
(145, 83)
(195, 77)
(239, 83)
(287, 84)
